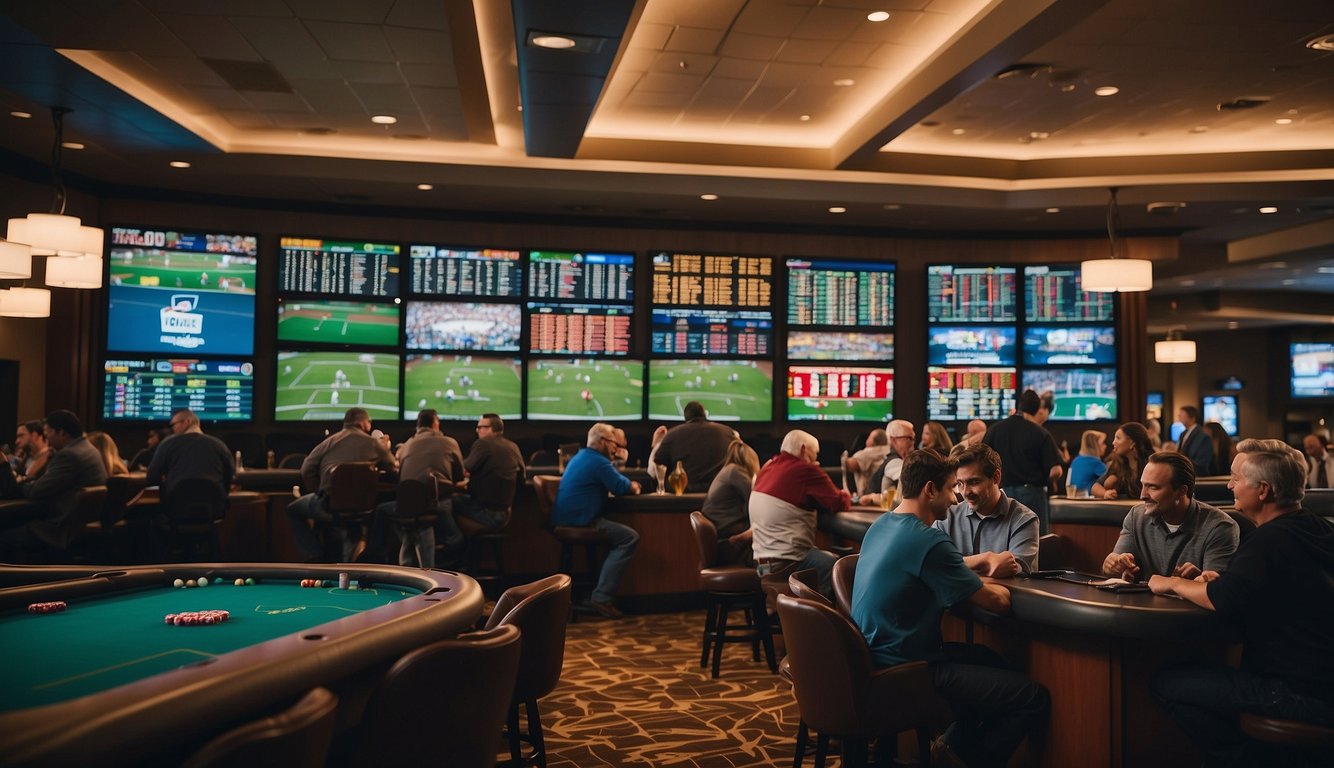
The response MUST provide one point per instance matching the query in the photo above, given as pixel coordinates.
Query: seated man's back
(191, 455)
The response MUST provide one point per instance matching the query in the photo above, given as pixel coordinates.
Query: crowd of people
(454, 326)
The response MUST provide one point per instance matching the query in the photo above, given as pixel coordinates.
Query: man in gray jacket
(75, 465)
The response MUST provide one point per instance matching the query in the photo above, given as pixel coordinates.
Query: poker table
(108, 677)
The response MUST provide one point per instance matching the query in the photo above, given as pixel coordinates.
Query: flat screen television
(176, 291)
(1053, 295)
(970, 345)
(462, 386)
(441, 270)
(1222, 409)
(853, 294)
(149, 389)
(840, 393)
(1080, 394)
(585, 389)
(965, 393)
(321, 386)
(840, 345)
(579, 329)
(338, 322)
(1153, 407)
(730, 390)
(328, 267)
(711, 280)
(572, 276)
(463, 326)
(1069, 345)
(967, 294)
(1312, 366)
(710, 332)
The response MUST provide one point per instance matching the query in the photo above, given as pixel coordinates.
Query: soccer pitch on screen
(730, 390)
(1080, 394)
(462, 386)
(321, 386)
(338, 322)
(182, 269)
(582, 389)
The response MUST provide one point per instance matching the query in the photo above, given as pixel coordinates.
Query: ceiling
(951, 117)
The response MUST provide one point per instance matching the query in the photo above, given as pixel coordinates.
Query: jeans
(994, 706)
(415, 550)
(623, 541)
(1206, 701)
(1035, 498)
(820, 560)
(468, 507)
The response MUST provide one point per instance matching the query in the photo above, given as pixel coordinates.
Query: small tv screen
(321, 386)
(463, 326)
(147, 389)
(696, 280)
(1312, 369)
(462, 386)
(1081, 394)
(1222, 409)
(1153, 407)
(338, 267)
(570, 276)
(439, 270)
(965, 294)
(841, 293)
(722, 332)
(579, 329)
(585, 389)
(173, 290)
(836, 393)
(963, 394)
(730, 390)
(837, 345)
(1054, 295)
(970, 345)
(338, 322)
(1069, 345)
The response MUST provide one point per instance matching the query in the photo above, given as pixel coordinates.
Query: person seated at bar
(997, 535)
(1130, 449)
(727, 504)
(902, 436)
(588, 478)
(790, 491)
(495, 468)
(1277, 591)
(75, 464)
(698, 444)
(31, 450)
(907, 575)
(936, 438)
(1171, 533)
(144, 457)
(432, 457)
(110, 453)
(189, 453)
(864, 464)
(1088, 466)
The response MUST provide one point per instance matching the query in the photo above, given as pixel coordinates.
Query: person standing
(1195, 442)
(1319, 462)
(1029, 457)
(699, 445)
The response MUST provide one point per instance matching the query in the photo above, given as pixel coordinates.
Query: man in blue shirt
(588, 478)
(907, 575)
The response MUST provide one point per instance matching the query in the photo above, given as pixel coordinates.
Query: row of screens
(320, 386)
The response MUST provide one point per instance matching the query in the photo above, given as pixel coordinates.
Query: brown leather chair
(351, 500)
(298, 737)
(1304, 739)
(541, 610)
(444, 703)
(195, 508)
(845, 569)
(571, 538)
(806, 585)
(1052, 552)
(414, 512)
(86, 509)
(840, 694)
(726, 587)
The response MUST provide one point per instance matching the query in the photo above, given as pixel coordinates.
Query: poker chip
(197, 618)
(51, 607)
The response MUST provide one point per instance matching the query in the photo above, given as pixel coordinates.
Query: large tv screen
(1080, 394)
(439, 270)
(1054, 295)
(711, 332)
(338, 322)
(730, 390)
(1069, 345)
(585, 389)
(1312, 369)
(964, 294)
(962, 394)
(173, 290)
(147, 389)
(579, 329)
(463, 326)
(840, 293)
(837, 393)
(970, 345)
(570, 276)
(462, 386)
(694, 280)
(832, 345)
(1222, 409)
(321, 386)
(338, 267)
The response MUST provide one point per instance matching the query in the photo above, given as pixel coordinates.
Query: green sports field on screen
(321, 386)
(593, 390)
(338, 322)
(832, 409)
(181, 269)
(730, 390)
(462, 386)
(1080, 394)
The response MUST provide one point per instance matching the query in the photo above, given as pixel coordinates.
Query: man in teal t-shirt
(907, 575)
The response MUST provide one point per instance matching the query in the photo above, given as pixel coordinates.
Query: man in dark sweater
(189, 453)
(699, 444)
(1029, 458)
(495, 470)
(76, 464)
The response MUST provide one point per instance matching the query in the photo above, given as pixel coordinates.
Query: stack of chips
(344, 581)
(53, 607)
(312, 582)
(196, 618)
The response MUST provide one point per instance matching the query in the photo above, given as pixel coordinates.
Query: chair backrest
(806, 585)
(292, 461)
(1292, 733)
(415, 498)
(706, 539)
(352, 487)
(1052, 552)
(86, 508)
(546, 487)
(845, 569)
(195, 500)
(298, 737)
(542, 610)
(444, 703)
(542, 457)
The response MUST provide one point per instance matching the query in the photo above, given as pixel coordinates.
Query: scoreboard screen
(338, 267)
(970, 294)
(961, 394)
(572, 276)
(840, 394)
(579, 329)
(839, 293)
(690, 280)
(1054, 295)
(483, 272)
(711, 332)
(145, 389)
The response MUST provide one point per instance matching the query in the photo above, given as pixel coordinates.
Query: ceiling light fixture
(20, 114)
(1269, 209)
(837, 209)
(179, 164)
(555, 42)
(1106, 90)
(1053, 210)
(71, 145)
(384, 119)
(1322, 43)
(959, 131)
(25, 302)
(805, 118)
(426, 187)
(845, 82)
(1115, 274)
(1174, 349)
(708, 196)
(563, 42)
(878, 16)
(1283, 121)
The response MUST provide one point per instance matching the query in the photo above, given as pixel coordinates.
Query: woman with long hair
(1130, 450)
(1224, 451)
(110, 453)
(728, 501)
(1088, 466)
(935, 438)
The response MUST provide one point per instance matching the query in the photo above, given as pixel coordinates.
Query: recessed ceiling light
(1269, 209)
(1283, 121)
(179, 164)
(1106, 90)
(384, 119)
(1038, 135)
(20, 114)
(805, 118)
(891, 206)
(1053, 210)
(558, 42)
(1233, 325)
(708, 196)
(837, 209)
(844, 82)
(71, 145)
(1200, 129)
(959, 131)
(1187, 283)
(878, 16)
(426, 187)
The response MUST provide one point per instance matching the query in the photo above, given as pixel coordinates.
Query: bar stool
(571, 538)
(727, 587)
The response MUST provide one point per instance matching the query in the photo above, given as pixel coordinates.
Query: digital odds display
(956, 293)
(837, 393)
(147, 389)
(328, 267)
(482, 272)
(840, 293)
